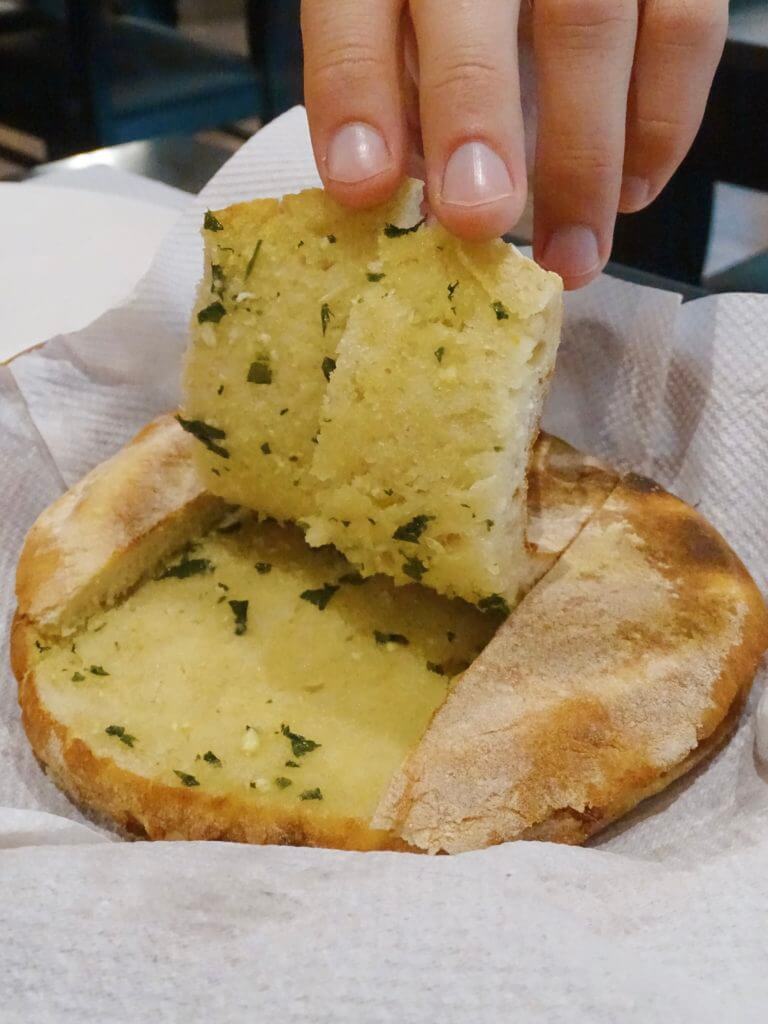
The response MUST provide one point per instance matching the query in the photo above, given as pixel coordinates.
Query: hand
(622, 86)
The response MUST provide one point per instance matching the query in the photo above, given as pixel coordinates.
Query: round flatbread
(188, 672)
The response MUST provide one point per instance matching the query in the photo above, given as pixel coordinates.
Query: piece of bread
(381, 385)
(625, 665)
(126, 679)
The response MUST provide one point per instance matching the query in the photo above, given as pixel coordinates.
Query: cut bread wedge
(382, 384)
(189, 672)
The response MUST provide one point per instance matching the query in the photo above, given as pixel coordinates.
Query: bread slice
(380, 385)
(625, 665)
(167, 704)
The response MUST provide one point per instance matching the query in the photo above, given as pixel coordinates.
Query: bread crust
(621, 669)
(418, 813)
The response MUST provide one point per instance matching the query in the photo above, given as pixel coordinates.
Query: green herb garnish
(325, 316)
(489, 524)
(283, 412)
(252, 260)
(187, 567)
(412, 530)
(311, 794)
(331, 239)
(451, 636)
(437, 669)
(374, 278)
(320, 597)
(452, 288)
(354, 578)
(265, 448)
(282, 783)
(211, 314)
(78, 677)
(186, 778)
(292, 764)
(212, 223)
(121, 734)
(329, 365)
(414, 568)
(439, 353)
(262, 568)
(240, 611)
(205, 433)
(393, 231)
(300, 745)
(211, 758)
(501, 311)
(390, 638)
(495, 604)
(260, 372)
(40, 647)
(97, 670)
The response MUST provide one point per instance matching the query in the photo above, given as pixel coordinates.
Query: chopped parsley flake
(495, 604)
(217, 279)
(282, 783)
(121, 734)
(331, 239)
(451, 636)
(325, 316)
(329, 365)
(437, 669)
(262, 568)
(300, 745)
(439, 353)
(393, 231)
(78, 677)
(452, 288)
(260, 372)
(208, 435)
(320, 597)
(283, 412)
(266, 449)
(390, 638)
(212, 223)
(311, 794)
(220, 389)
(354, 578)
(40, 647)
(412, 530)
(97, 670)
(187, 567)
(211, 314)
(252, 260)
(414, 568)
(374, 278)
(501, 311)
(240, 611)
(489, 525)
(186, 778)
(292, 764)
(211, 758)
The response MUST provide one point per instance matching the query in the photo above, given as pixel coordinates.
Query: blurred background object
(170, 88)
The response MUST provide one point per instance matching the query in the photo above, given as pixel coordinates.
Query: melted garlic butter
(186, 690)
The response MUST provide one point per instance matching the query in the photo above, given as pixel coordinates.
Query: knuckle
(694, 24)
(344, 66)
(586, 23)
(581, 166)
(660, 140)
(464, 75)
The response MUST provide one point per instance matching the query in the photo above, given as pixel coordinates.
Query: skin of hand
(432, 87)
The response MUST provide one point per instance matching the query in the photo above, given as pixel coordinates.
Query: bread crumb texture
(380, 385)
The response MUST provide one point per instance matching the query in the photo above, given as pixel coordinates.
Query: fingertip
(572, 251)
(636, 194)
(358, 167)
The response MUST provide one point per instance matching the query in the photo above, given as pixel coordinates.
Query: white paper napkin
(666, 918)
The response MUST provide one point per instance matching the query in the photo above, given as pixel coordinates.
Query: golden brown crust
(96, 540)
(624, 660)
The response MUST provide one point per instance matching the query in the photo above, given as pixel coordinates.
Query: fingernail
(635, 192)
(572, 251)
(356, 152)
(475, 175)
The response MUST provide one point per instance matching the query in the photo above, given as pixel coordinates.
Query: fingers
(679, 46)
(470, 113)
(584, 54)
(352, 85)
